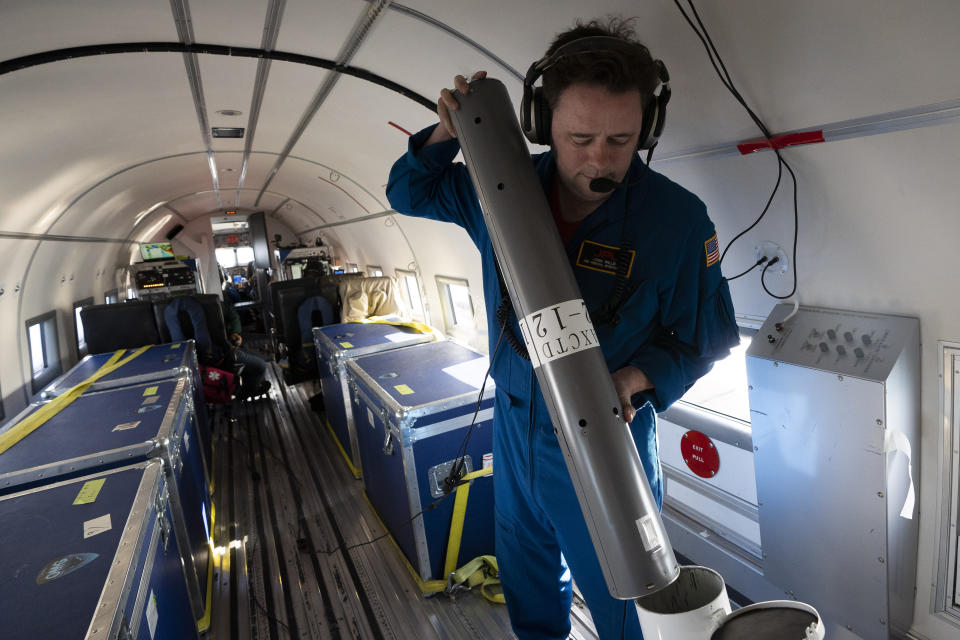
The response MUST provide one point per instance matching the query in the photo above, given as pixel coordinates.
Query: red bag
(219, 386)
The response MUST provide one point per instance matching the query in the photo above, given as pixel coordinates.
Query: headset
(535, 114)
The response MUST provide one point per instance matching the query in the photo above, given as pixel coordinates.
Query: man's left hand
(628, 381)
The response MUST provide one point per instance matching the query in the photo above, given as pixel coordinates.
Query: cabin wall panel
(444, 249)
(62, 133)
(26, 26)
(290, 89)
(878, 230)
(237, 23)
(318, 28)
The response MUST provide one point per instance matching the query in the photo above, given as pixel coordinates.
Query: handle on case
(387, 441)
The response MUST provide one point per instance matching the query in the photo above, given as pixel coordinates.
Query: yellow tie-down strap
(400, 322)
(481, 571)
(38, 418)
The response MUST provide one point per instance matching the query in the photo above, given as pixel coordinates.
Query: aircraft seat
(128, 325)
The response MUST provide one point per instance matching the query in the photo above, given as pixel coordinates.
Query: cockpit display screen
(156, 251)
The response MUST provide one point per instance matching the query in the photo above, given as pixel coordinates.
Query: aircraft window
(78, 326)
(724, 389)
(457, 305)
(226, 257)
(410, 287)
(244, 255)
(111, 297)
(352, 268)
(44, 349)
(374, 271)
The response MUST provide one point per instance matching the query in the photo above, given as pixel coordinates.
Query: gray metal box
(834, 406)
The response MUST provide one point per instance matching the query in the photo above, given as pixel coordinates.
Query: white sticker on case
(97, 526)
(152, 613)
(558, 331)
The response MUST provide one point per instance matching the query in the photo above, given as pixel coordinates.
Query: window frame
(402, 274)
(946, 571)
(50, 345)
(77, 323)
(112, 293)
(351, 267)
(374, 271)
(745, 332)
(449, 309)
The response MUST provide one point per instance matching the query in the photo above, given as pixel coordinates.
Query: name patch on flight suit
(602, 257)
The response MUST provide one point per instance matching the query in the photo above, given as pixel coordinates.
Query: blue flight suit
(677, 320)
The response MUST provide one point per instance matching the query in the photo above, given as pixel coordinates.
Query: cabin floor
(301, 553)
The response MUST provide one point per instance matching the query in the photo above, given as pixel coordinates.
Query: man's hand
(628, 381)
(447, 102)
(236, 339)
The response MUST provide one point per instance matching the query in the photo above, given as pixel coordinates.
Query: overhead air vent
(227, 132)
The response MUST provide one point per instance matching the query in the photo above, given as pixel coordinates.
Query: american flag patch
(712, 249)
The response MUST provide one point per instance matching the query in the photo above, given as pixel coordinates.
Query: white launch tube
(601, 458)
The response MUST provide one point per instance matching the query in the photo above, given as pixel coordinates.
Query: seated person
(254, 367)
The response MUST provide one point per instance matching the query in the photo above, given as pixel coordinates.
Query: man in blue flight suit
(661, 322)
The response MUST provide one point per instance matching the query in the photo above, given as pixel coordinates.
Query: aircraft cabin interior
(244, 394)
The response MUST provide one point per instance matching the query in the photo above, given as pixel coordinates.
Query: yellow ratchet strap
(481, 571)
(35, 420)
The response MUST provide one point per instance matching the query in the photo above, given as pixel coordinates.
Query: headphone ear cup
(650, 118)
(542, 118)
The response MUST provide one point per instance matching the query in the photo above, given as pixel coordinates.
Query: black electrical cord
(718, 65)
(755, 265)
(457, 470)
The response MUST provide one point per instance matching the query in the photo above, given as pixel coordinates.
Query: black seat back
(127, 325)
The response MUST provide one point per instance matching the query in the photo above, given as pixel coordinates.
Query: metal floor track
(301, 554)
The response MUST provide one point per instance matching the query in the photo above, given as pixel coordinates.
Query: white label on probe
(649, 534)
(558, 331)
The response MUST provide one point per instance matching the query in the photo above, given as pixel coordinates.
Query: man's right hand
(447, 102)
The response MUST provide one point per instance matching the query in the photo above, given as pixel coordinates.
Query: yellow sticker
(403, 389)
(149, 391)
(89, 491)
(346, 345)
(175, 345)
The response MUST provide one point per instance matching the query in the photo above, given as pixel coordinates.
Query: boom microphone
(604, 185)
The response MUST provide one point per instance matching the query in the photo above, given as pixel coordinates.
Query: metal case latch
(439, 473)
(162, 522)
(387, 442)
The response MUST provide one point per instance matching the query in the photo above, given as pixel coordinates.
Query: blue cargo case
(412, 408)
(115, 427)
(337, 343)
(159, 362)
(94, 558)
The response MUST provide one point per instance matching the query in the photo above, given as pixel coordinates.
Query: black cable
(430, 507)
(456, 471)
(755, 265)
(727, 81)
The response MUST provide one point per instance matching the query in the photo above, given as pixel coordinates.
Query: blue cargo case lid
(351, 339)
(60, 542)
(156, 363)
(440, 374)
(125, 422)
